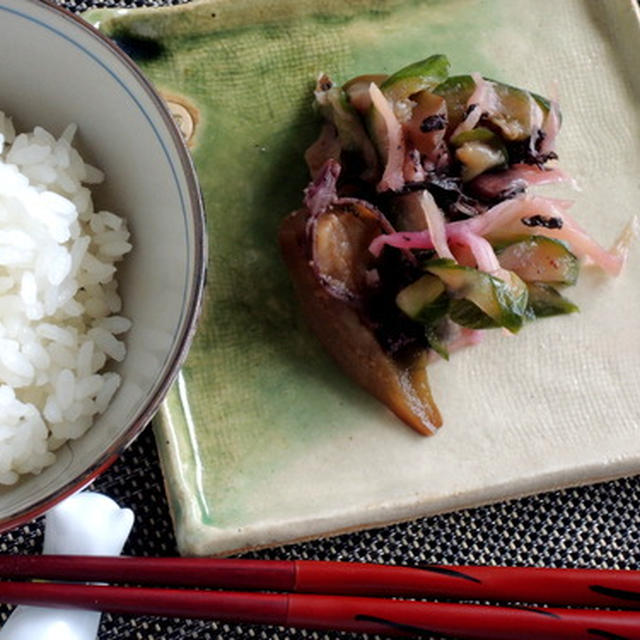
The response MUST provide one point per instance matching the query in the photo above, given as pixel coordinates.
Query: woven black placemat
(596, 526)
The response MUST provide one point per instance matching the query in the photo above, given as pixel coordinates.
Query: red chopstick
(577, 587)
(583, 587)
(344, 613)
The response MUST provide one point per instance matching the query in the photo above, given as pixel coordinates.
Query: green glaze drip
(261, 390)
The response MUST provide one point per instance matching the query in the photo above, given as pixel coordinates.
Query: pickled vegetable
(418, 231)
(481, 300)
(425, 74)
(541, 259)
(424, 300)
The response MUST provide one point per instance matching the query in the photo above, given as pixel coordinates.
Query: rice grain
(59, 303)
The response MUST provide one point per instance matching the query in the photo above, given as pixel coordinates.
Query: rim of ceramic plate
(193, 304)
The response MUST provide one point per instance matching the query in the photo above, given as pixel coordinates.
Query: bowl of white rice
(102, 255)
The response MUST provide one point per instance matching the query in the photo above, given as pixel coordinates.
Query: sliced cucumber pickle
(334, 106)
(478, 157)
(545, 301)
(496, 302)
(424, 74)
(436, 341)
(540, 259)
(425, 300)
(479, 150)
(480, 134)
(516, 111)
(456, 92)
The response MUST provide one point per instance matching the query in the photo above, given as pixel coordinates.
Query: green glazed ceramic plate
(263, 441)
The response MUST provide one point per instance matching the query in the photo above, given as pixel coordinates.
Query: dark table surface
(596, 526)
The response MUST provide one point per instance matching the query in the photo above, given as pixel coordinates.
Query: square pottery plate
(263, 440)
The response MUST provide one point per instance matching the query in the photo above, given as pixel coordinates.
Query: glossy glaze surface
(263, 440)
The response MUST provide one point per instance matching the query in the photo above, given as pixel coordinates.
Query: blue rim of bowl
(193, 306)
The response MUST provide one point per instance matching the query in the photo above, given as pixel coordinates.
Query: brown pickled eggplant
(325, 247)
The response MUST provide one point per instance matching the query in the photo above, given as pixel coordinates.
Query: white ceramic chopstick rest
(84, 524)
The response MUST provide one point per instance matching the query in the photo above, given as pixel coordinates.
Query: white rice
(59, 307)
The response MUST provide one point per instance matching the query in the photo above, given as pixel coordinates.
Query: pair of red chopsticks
(340, 595)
